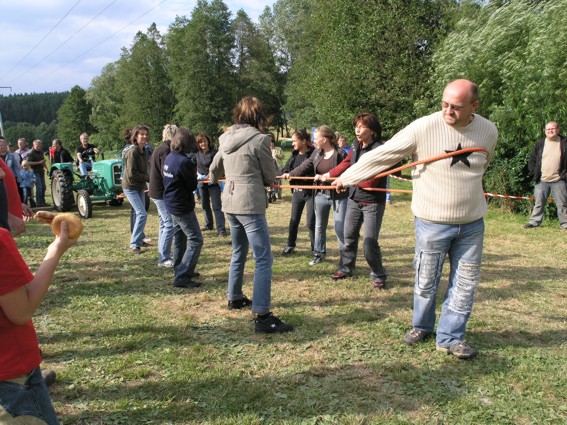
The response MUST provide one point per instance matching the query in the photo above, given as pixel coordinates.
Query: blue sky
(53, 45)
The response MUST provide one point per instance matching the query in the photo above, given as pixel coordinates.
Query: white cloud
(25, 22)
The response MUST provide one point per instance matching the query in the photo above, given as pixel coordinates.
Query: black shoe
(205, 228)
(48, 376)
(530, 226)
(340, 275)
(222, 234)
(190, 284)
(239, 304)
(145, 244)
(288, 250)
(196, 274)
(137, 250)
(415, 336)
(270, 324)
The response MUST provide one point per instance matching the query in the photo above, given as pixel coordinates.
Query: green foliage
(73, 117)
(364, 56)
(142, 82)
(15, 130)
(107, 103)
(515, 51)
(201, 67)
(32, 108)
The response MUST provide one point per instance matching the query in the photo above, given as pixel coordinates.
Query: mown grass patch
(130, 349)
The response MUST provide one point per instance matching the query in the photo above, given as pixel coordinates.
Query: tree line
(322, 62)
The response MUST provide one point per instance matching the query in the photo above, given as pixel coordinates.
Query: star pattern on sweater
(462, 157)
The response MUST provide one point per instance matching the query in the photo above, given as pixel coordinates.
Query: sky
(53, 45)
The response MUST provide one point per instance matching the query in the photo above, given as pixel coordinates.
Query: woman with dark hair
(134, 181)
(179, 182)
(244, 158)
(364, 207)
(209, 193)
(300, 198)
(326, 156)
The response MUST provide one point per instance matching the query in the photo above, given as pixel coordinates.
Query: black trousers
(299, 201)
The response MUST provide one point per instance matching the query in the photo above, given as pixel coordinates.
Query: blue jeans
(187, 244)
(84, 167)
(371, 216)
(39, 188)
(541, 193)
(28, 399)
(246, 230)
(298, 202)
(211, 194)
(165, 235)
(137, 200)
(463, 244)
(323, 204)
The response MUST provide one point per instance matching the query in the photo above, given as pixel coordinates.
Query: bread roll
(74, 225)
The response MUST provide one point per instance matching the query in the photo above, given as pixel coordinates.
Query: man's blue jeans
(187, 244)
(29, 398)
(463, 244)
(250, 230)
(541, 193)
(39, 188)
(323, 204)
(165, 234)
(137, 201)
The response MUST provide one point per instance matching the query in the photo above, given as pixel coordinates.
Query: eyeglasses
(446, 105)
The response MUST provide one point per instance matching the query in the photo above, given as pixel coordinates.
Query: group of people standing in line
(448, 204)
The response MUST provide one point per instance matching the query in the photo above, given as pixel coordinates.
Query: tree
(73, 117)
(202, 68)
(143, 83)
(515, 52)
(107, 105)
(257, 72)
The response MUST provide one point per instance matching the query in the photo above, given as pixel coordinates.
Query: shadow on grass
(377, 389)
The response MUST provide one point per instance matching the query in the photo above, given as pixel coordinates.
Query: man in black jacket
(548, 164)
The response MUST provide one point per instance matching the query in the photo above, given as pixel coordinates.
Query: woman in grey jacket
(245, 159)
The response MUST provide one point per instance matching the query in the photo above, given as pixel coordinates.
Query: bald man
(448, 204)
(548, 165)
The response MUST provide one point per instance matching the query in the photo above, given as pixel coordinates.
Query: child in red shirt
(23, 392)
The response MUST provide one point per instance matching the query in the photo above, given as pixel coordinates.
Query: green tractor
(103, 183)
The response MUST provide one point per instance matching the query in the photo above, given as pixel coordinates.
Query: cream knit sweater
(445, 191)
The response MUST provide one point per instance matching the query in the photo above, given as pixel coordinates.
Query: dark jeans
(187, 244)
(370, 215)
(298, 202)
(30, 398)
(39, 188)
(211, 194)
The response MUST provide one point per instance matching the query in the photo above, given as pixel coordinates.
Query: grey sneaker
(415, 336)
(316, 260)
(530, 226)
(459, 350)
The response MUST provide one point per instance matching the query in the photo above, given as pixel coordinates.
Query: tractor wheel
(84, 204)
(116, 202)
(62, 190)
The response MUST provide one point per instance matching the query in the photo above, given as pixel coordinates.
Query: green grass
(129, 349)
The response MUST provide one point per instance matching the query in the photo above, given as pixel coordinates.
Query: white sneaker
(166, 263)
(147, 240)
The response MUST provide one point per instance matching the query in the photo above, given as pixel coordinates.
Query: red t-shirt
(14, 201)
(19, 350)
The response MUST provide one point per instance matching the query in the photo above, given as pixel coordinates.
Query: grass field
(130, 349)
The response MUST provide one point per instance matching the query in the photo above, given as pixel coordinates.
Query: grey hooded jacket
(245, 159)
